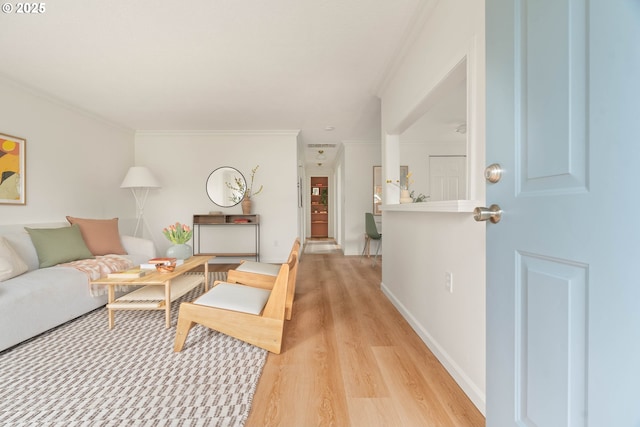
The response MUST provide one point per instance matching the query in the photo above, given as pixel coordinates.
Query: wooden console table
(209, 220)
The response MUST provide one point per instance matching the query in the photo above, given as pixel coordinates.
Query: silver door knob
(493, 213)
(493, 173)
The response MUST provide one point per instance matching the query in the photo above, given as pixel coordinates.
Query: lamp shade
(139, 177)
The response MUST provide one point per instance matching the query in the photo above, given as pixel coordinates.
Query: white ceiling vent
(321, 145)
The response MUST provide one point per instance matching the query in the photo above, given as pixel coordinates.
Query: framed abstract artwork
(13, 170)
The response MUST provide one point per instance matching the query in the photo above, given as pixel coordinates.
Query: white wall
(339, 203)
(420, 247)
(182, 162)
(453, 26)
(75, 162)
(302, 195)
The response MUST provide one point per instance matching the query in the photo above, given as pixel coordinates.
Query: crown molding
(293, 132)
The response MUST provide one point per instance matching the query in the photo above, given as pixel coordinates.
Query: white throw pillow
(11, 265)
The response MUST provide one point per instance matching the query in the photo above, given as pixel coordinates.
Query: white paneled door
(448, 177)
(563, 286)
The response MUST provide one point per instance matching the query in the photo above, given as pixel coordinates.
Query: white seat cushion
(259, 268)
(231, 296)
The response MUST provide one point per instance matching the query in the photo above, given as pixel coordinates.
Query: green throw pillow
(58, 245)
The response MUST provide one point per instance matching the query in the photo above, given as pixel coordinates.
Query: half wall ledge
(455, 206)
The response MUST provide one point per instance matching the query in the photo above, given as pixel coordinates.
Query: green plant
(323, 196)
(250, 192)
(178, 233)
(240, 187)
(419, 198)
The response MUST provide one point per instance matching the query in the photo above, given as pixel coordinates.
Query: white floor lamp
(140, 180)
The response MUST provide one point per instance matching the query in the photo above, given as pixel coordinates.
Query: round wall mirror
(226, 186)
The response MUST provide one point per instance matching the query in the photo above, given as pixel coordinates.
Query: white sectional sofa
(42, 298)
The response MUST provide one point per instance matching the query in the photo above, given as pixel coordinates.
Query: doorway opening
(319, 207)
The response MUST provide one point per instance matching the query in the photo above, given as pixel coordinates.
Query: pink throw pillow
(101, 236)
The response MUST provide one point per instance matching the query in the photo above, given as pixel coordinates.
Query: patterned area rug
(81, 373)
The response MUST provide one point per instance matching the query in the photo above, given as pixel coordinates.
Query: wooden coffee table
(158, 289)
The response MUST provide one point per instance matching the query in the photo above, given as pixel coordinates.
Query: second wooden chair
(263, 275)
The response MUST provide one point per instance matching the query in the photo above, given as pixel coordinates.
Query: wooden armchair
(248, 313)
(263, 275)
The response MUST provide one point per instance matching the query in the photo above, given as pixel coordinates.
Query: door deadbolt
(493, 213)
(493, 173)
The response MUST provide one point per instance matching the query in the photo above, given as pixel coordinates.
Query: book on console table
(127, 274)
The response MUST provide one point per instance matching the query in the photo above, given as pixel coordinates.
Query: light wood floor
(350, 359)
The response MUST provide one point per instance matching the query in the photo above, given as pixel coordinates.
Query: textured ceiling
(215, 64)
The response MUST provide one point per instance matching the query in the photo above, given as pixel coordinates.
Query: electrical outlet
(448, 281)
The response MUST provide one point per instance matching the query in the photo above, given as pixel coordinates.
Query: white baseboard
(477, 396)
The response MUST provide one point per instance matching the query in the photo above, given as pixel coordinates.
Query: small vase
(179, 251)
(405, 197)
(246, 206)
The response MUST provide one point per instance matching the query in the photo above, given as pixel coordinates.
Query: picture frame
(13, 170)
(315, 191)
